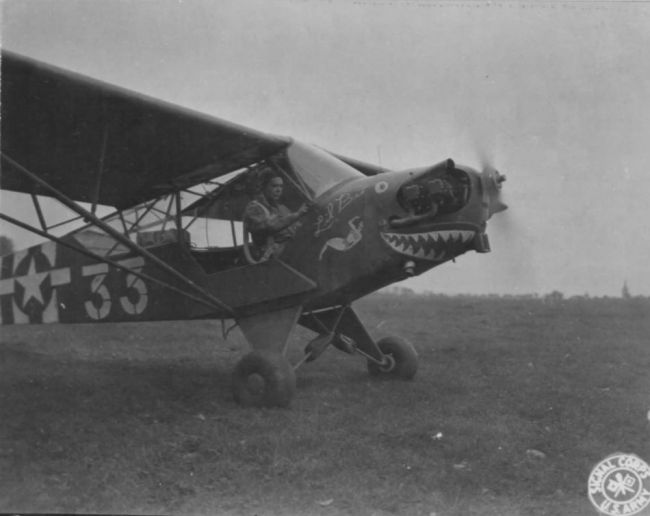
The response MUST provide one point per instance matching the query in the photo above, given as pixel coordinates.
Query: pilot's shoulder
(256, 208)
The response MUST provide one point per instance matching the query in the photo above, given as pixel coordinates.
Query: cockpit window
(317, 170)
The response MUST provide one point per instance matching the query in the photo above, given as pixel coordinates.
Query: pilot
(270, 222)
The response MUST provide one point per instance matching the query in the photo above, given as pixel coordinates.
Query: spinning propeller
(485, 141)
(492, 182)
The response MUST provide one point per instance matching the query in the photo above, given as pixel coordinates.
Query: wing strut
(116, 234)
(100, 171)
(39, 211)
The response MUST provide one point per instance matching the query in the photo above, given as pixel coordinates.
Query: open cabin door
(245, 285)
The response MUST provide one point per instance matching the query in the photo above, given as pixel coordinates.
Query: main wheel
(263, 380)
(402, 359)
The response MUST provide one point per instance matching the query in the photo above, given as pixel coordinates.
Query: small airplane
(165, 171)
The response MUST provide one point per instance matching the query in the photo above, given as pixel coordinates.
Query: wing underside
(101, 144)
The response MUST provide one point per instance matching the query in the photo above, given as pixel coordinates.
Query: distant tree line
(553, 297)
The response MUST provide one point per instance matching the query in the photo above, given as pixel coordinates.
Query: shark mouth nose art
(437, 245)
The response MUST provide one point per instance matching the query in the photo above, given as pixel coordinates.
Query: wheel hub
(255, 384)
(388, 364)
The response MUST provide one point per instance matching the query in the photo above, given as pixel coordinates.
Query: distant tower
(625, 294)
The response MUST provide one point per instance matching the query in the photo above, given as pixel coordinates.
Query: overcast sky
(556, 93)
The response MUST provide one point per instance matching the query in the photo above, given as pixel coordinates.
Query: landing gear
(400, 359)
(264, 377)
(390, 357)
(263, 380)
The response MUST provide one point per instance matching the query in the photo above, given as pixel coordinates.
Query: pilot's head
(272, 186)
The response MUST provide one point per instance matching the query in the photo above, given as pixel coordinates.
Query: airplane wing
(365, 168)
(98, 143)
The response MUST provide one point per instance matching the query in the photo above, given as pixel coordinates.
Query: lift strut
(90, 217)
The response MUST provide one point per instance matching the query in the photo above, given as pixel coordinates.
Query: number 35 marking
(136, 285)
(132, 304)
(99, 290)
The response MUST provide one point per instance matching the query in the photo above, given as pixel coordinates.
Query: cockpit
(308, 172)
(217, 217)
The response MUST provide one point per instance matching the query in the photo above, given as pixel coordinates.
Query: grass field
(514, 402)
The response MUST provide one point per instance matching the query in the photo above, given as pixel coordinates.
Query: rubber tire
(277, 377)
(404, 355)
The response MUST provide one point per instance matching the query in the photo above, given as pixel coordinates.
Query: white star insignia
(32, 283)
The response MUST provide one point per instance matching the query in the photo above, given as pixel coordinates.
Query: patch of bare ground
(514, 403)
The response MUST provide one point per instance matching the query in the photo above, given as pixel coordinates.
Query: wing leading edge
(96, 142)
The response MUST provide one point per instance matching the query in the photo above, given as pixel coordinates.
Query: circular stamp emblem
(620, 485)
(381, 187)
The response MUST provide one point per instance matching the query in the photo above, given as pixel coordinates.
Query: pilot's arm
(260, 218)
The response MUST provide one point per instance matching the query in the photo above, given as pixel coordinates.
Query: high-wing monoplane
(174, 244)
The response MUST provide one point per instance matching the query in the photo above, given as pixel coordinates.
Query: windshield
(318, 170)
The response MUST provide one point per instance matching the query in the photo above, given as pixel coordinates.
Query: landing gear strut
(264, 377)
(391, 357)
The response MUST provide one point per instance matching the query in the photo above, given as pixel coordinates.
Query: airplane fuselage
(356, 238)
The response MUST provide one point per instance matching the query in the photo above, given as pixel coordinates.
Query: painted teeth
(428, 246)
(433, 236)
